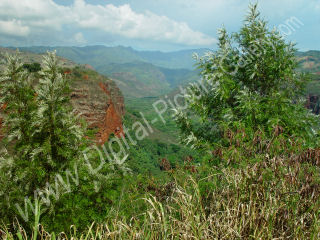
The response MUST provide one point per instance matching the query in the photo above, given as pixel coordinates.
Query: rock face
(99, 101)
(112, 122)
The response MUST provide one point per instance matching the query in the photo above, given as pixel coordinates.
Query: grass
(277, 198)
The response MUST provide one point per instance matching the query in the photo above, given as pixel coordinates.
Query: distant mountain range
(154, 73)
(137, 73)
(100, 55)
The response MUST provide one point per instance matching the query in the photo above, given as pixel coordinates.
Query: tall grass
(277, 198)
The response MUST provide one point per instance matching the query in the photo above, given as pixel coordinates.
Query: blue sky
(148, 24)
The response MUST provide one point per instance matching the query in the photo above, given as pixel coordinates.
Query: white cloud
(13, 28)
(35, 13)
(124, 21)
(41, 15)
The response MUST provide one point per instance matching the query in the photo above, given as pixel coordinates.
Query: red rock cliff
(99, 101)
(112, 122)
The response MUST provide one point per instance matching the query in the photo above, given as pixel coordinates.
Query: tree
(55, 123)
(44, 162)
(18, 97)
(249, 90)
(43, 135)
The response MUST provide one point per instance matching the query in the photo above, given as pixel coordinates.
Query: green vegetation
(140, 79)
(43, 161)
(255, 175)
(309, 62)
(163, 143)
(249, 87)
(165, 132)
(42, 157)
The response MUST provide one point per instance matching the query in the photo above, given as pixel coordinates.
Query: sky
(165, 25)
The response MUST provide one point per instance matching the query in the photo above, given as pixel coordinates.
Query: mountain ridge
(121, 54)
(137, 73)
(154, 73)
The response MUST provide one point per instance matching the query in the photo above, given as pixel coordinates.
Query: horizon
(106, 46)
(130, 47)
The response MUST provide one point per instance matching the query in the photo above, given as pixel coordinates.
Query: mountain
(100, 102)
(137, 79)
(137, 73)
(101, 55)
(173, 60)
(154, 73)
(140, 79)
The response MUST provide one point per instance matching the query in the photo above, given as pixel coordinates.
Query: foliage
(17, 98)
(250, 85)
(43, 160)
(276, 198)
(144, 158)
(55, 123)
(51, 150)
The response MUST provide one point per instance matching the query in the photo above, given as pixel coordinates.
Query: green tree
(18, 97)
(43, 135)
(45, 141)
(249, 89)
(55, 124)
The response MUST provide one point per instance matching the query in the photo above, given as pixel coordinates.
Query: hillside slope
(309, 61)
(139, 79)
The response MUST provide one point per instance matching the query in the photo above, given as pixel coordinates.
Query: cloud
(125, 22)
(29, 16)
(35, 13)
(13, 28)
